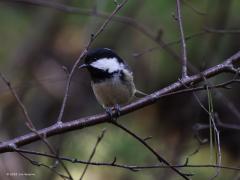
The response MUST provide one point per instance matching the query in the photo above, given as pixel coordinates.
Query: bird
(111, 79)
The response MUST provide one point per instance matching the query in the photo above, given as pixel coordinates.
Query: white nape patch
(107, 49)
(108, 64)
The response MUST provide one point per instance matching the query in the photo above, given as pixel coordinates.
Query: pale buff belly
(110, 93)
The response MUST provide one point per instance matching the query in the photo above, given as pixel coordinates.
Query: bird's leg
(117, 109)
(109, 113)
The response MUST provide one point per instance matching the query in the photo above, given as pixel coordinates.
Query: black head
(102, 63)
(100, 53)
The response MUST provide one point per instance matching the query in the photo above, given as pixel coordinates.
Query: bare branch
(193, 8)
(183, 43)
(160, 158)
(21, 105)
(189, 37)
(29, 123)
(99, 139)
(101, 118)
(89, 12)
(227, 66)
(222, 31)
(219, 124)
(124, 166)
(36, 163)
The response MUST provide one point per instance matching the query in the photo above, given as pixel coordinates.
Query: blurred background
(37, 42)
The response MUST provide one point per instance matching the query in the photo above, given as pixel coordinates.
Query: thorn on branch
(12, 146)
(232, 69)
(114, 161)
(174, 17)
(44, 135)
(196, 128)
(35, 163)
(55, 165)
(5, 80)
(28, 125)
(159, 35)
(65, 69)
(227, 87)
(116, 3)
(183, 83)
(92, 37)
(135, 169)
(186, 161)
(59, 124)
(8, 83)
(147, 138)
(102, 134)
(75, 160)
(189, 174)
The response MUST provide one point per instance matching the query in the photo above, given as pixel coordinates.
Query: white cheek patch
(108, 64)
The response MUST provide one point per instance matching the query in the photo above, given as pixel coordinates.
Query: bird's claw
(117, 109)
(109, 111)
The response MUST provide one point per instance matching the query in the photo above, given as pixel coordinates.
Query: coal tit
(111, 78)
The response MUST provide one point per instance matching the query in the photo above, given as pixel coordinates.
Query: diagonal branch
(160, 158)
(99, 139)
(30, 124)
(226, 66)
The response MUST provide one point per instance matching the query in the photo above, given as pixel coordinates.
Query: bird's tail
(140, 94)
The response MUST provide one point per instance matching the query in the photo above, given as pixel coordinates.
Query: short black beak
(83, 66)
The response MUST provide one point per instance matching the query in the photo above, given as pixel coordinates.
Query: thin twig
(222, 31)
(193, 8)
(35, 163)
(216, 135)
(183, 43)
(89, 12)
(224, 85)
(93, 37)
(99, 139)
(219, 124)
(13, 92)
(124, 166)
(171, 43)
(205, 31)
(121, 19)
(160, 158)
(209, 111)
(29, 122)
